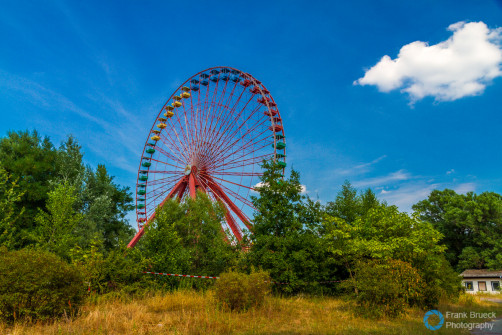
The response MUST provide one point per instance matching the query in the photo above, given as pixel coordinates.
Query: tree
(38, 168)
(56, 227)
(9, 212)
(287, 232)
(348, 205)
(105, 205)
(31, 161)
(383, 233)
(187, 237)
(471, 226)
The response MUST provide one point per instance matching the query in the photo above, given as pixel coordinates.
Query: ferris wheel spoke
(210, 109)
(222, 118)
(245, 162)
(163, 180)
(245, 146)
(170, 145)
(230, 112)
(237, 117)
(231, 182)
(171, 191)
(173, 157)
(247, 174)
(225, 134)
(166, 172)
(158, 161)
(226, 145)
(151, 204)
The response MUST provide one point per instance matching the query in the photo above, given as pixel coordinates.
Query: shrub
(385, 288)
(239, 291)
(37, 285)
(120, 269)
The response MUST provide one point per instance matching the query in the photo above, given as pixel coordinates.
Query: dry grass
(188, 312)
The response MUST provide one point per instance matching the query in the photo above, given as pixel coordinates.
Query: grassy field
(188, 312)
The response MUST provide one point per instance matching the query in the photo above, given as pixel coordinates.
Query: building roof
(481, 274)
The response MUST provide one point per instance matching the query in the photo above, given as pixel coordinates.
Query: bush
(239, 291)
(37, 285)
(385, 288)
(120, 269)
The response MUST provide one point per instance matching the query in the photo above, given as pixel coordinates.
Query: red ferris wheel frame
(204, 146)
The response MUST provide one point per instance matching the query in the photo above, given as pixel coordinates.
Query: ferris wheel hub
(188, 169)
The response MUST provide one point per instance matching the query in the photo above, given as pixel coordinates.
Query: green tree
(383, 233)
(287, 232)
(471, 226)
(9, 212)
(56, 227)
(187, 237)
(31, 161)
(105, 205)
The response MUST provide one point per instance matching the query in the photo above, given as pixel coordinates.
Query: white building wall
(488, 281)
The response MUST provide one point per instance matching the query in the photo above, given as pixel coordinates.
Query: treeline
(51, 202)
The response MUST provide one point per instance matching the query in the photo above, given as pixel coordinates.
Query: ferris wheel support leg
(191, 186)
(233, 225)
(216, 189)
(178, 188)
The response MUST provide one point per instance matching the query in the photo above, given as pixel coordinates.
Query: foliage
(386, 288)
(56, 227)
(29, 160)
(348, 205)
(105, 205)
(471, 226)
(9, 215)
(36, 167)
(37, 285)
(187, 237)
(286, 234)
(239, 291)
(120, 269)
(383, 233)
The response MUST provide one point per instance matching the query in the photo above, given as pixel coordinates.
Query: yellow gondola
(169, 114)
(177, 104)
(169, 108)
(177, 97)
(161, 125)
(155, 138)
(161, 119)
(156, 131)
(185, 89)
(185, 95)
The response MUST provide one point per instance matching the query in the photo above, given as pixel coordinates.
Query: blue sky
(427, 116)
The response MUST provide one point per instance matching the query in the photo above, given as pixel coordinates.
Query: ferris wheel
(210, 136)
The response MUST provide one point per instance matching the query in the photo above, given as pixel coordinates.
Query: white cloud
(460, 66)
(450, 171)
(379, 181)
(465, 187)
(360, 168)
(407, 195)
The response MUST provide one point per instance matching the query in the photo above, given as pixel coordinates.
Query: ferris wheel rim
(268, 102)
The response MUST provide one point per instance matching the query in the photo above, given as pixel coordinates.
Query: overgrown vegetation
(239, 291)
(190, 312)
(52, 205)
(37, 285)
